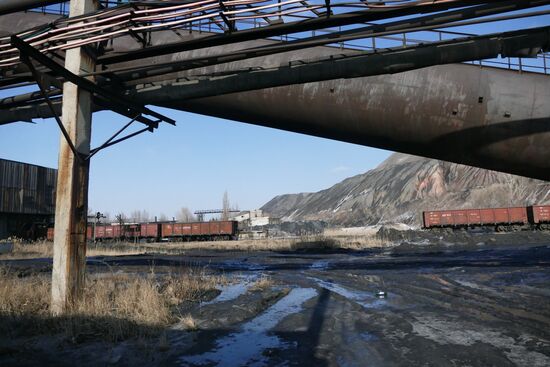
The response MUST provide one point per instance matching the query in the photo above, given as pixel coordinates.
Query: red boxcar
(131, 231)
(49, 235)
(215, 228)
(99, 232)
(176, 229)
(156, 231)
(150, 230)
(185, 229)
(229, 228)
(475, 217)
(195, 229)
(205, 228)
(168, 230)
(539, 214)
(200, 230)
(109, 232)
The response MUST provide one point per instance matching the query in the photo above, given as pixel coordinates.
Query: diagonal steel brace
(26, 50)
(108, 141)
(44, 93)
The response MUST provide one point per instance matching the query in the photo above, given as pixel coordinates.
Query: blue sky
(193, 163)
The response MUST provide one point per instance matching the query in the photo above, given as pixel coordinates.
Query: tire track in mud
(455, 300)
(246, 345)
(451, 297)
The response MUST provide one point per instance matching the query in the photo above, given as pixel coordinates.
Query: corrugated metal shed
(26, 188)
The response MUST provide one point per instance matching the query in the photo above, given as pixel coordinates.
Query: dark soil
(452, 299)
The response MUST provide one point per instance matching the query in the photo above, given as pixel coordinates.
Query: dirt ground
(480, 303)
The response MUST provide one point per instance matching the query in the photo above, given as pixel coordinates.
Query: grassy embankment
(113, 307)
(333, 241)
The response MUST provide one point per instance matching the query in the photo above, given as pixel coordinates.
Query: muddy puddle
(365, 299)
(238, 286)
(245, 346)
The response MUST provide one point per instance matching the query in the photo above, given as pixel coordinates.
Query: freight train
(168, 231)
(535, 217)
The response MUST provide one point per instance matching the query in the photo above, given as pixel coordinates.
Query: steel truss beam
(420, 23)
(38, 79)
(430, 22)
(129, 108)
(26, 49)
(525, 43)
(288, 28)
(518, 43)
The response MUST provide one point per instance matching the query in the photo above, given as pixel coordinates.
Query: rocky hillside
(402, 187)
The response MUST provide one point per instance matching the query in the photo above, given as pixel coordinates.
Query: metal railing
(539, 64)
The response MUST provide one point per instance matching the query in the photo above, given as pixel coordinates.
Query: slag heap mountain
(403, 186)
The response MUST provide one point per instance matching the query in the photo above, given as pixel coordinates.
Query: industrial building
(27, 199)
(254, 218)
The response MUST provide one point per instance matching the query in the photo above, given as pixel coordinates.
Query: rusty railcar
(511, 218)
(116, 232)
(170, 231)
(213, 230)
(539, 216)
(150, 231)
(49, 235)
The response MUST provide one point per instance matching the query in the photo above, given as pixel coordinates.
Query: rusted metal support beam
(230, 24)
(110, 142)
(44, 93)
(69, 257)
(84, 83)
(136, 72)
(80, 156)
(285, 28)
(523, 43)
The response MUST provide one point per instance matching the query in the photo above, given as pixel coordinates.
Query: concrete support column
(69, 258)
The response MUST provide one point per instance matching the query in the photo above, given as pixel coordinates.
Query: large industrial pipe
(484, 117)
(12, 6)
(480, 116)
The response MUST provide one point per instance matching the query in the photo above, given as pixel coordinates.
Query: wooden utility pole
(69, 255)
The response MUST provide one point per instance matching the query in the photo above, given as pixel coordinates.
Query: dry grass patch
(172, 248)
(190, 286)
(44, 249)
(95, 250)
(263, 283)
(113, 307)
(304, 243)
(362, 242)
(24, 250)
(187, 322)
(323, 243)
(23, 296)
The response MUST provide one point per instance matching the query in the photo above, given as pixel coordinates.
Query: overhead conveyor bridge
(394, 75)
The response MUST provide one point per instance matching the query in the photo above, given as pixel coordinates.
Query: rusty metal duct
(12, 6)
(494, 114)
